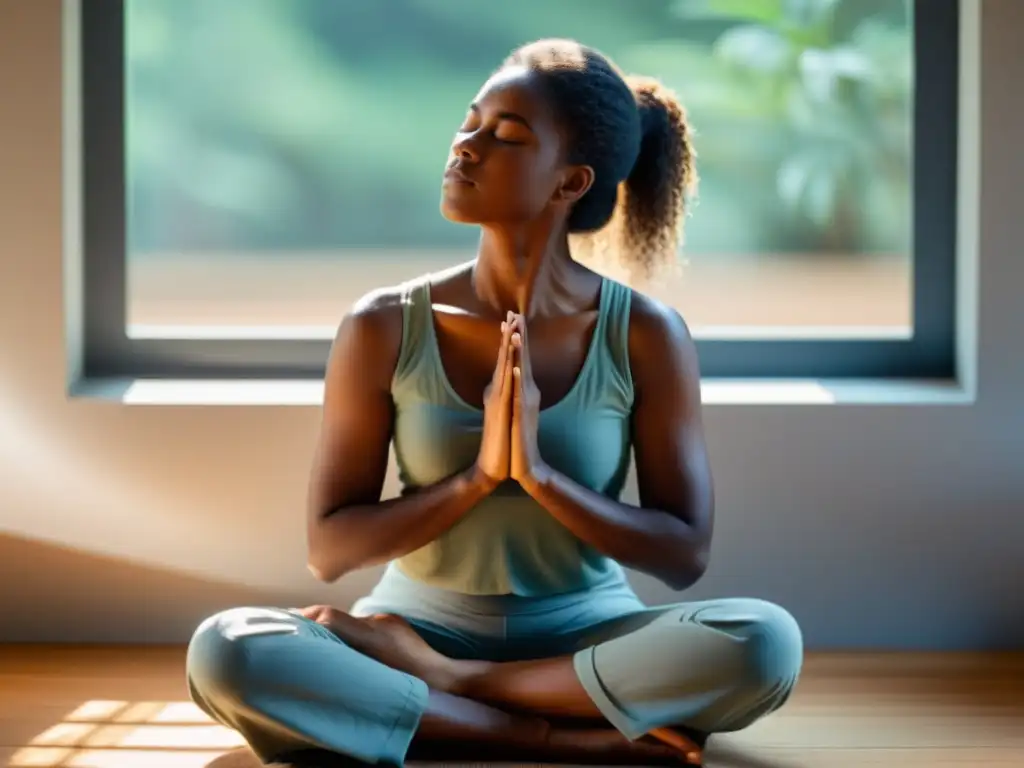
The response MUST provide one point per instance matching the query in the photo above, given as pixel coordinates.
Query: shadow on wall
(98, 596)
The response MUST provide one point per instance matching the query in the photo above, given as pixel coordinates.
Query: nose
(465, 149)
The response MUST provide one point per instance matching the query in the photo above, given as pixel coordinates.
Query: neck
(529, 272)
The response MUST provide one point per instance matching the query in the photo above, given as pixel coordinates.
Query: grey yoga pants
(287, 684)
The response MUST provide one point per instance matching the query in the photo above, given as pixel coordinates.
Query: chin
(459, 213)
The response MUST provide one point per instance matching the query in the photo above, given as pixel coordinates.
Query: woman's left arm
(669, 535)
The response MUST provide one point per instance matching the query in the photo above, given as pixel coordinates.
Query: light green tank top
(508, 543)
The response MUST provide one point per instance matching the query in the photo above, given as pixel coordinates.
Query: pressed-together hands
(494, 458)
(508, 447)
(525, 463)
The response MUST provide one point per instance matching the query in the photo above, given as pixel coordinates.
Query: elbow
(323, 561)
(321, 574)
(335, 553)
(326, 570)
(322, 570)
(680, 580)
(686, 571)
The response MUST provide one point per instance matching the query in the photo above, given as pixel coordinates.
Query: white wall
(877, 525)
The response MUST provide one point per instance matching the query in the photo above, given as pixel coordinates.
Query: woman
(514, 388)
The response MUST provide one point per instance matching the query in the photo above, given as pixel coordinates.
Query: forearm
(362, 536)
(653, 541)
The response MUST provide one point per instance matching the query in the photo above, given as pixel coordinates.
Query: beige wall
(878, 525)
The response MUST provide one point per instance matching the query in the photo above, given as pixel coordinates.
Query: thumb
(517, 399)
(507, 382)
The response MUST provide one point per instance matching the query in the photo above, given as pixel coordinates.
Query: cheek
(531, 186)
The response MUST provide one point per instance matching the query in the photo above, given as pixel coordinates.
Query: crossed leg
(298, 693)
(367, 689)
(544, 710)
(671, 674)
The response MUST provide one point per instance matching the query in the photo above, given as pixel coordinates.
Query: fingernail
(504, 325)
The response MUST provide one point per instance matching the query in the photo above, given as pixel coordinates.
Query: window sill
(716, 392)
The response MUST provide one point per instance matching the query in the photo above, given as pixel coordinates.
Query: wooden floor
(80, 707)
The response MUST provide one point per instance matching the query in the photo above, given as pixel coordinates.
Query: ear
(575, 183)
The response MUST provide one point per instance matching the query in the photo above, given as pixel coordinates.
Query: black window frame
(109, 352)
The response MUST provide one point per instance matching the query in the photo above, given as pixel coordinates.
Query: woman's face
(505, 164)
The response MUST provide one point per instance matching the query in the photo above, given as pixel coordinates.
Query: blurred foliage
(323, 124)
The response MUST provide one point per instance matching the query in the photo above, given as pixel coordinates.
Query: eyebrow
(512, 116)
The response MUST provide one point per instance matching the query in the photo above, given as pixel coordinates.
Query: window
(252, 166)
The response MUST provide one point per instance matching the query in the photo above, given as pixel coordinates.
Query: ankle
(458, 677)
(443, 676)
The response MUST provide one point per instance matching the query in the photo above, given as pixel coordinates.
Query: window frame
(109, 352)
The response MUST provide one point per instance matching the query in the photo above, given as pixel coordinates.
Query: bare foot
(390, 640)
(607, 745)
(691, 746)
(398, 643)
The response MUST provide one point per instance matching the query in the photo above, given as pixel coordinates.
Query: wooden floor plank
(128, 707)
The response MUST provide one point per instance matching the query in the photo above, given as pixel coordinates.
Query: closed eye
(500, 135)
(511, 141)
(509, 129)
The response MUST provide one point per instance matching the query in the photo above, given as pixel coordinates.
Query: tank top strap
(616, 374)
(417, 318)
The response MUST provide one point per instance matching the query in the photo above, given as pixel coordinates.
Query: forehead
(517, 89)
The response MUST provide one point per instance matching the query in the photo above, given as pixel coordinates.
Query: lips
(457, 176)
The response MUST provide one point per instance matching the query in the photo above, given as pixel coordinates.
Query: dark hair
(634, 133)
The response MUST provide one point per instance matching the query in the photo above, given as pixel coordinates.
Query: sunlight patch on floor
(124, 734)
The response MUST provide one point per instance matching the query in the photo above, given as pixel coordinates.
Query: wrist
(480, 482)
(538, 476)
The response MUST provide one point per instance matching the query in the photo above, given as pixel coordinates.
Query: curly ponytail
(634, 133)
(655, 195)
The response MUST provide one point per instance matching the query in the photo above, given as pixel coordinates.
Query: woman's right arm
(348, 526)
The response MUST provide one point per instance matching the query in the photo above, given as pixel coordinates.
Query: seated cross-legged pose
(516, 389)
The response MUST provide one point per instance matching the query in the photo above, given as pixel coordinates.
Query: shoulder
(374, 315)
(655, 326)
(660, 343)
(369, 335)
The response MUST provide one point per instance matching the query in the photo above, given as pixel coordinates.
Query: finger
(506, 358)
(517, 393)
(507, 327)
(499, 367)
(524, 346)
(506, 378)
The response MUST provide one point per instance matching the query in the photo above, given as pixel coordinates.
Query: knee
(215, 663)
(219, 664)
(773, 650)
